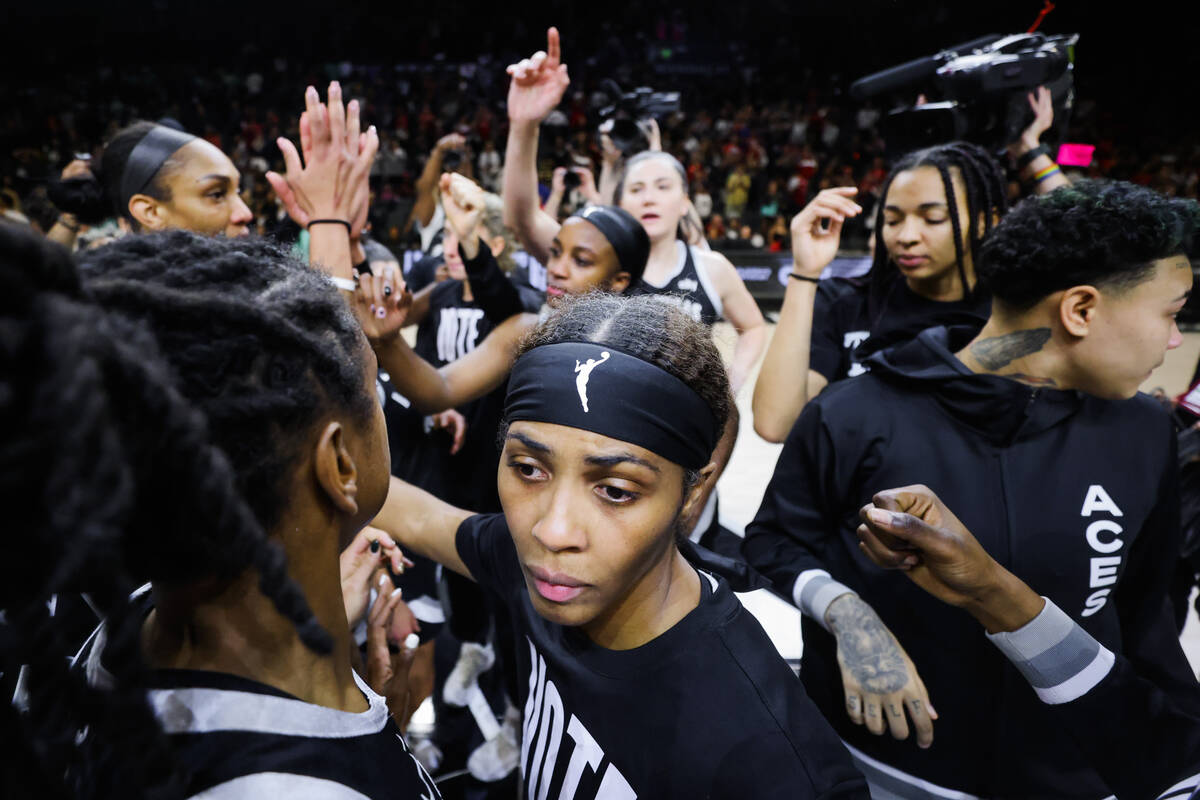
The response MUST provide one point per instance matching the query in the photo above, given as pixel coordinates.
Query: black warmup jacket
(1074, 494)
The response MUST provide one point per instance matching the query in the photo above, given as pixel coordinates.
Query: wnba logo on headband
(643, 404)
(583, 373)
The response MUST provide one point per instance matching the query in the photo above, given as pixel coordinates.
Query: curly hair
(152, 405)
(1104, 233)
(987, 200)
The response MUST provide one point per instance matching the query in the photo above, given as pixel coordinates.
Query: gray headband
(147, 158)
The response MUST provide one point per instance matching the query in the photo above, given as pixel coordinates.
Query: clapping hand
(331, 181)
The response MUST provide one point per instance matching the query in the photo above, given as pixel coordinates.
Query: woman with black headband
(653, 190)
(157, 177)
(645, 676)
(600, 248)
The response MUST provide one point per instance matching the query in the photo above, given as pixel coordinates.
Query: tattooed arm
(880, 680)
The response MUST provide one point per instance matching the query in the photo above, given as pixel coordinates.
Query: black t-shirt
(423, 273)
(452, 328)
(841, 322)
(706, 710)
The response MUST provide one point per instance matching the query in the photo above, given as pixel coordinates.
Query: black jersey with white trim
(240, 738)
(452, 329)
(237, 737)
(707, 709)
(689, 286)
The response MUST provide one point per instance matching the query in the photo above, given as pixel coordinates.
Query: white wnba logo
(584, 371)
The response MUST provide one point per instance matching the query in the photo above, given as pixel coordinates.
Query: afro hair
(1106, 234)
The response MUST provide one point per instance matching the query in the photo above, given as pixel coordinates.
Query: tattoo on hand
(1000, 351)
(868, 649)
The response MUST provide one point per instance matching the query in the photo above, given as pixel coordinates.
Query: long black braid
(987, 200)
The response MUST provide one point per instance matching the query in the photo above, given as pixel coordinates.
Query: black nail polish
(375, 546)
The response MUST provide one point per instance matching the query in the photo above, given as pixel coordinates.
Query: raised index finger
(553, 48)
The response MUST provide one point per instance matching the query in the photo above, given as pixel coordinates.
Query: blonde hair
(493, 220)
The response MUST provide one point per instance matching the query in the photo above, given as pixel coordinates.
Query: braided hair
(987, 200)
(141, 407)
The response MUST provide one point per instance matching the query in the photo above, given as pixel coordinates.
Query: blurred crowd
(757, 145)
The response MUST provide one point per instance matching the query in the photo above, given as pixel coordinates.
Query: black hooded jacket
(1074, 494)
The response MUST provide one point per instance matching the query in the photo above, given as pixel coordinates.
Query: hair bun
(82, 196)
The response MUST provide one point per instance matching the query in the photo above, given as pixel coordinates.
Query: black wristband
(72, 228)
(312, 222)
(1025, 159)
(800, 277)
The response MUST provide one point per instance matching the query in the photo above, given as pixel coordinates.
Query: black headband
(596, 388)
(626, 235)
(147, 158)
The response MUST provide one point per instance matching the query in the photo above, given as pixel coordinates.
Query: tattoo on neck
(998, 352)
(868, 649)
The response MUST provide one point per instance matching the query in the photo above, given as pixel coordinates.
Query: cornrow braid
(111, 473)
(986, 197)
(261, 344)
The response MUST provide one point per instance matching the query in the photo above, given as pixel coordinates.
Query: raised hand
(538, 82)
(382, 303)
(649, 129)
(817, 229)
(587, 184)
(464, 202)
(329, 182)
(451, 141)
(910, 529)
(1042, 103)
(883, 689)
(609, 153)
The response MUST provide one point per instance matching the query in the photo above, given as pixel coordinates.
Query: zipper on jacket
(1025, 413)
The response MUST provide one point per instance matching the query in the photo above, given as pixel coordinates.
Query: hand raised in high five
(910, 529)
(538, 82)
(817, 229)
(464, 202)
(330, 182)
